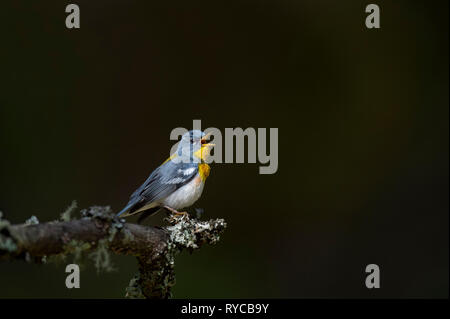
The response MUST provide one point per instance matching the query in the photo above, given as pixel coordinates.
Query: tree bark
(99, 230)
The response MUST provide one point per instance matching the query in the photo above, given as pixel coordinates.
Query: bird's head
(194, 144)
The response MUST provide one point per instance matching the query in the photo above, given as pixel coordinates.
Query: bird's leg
(175, 212)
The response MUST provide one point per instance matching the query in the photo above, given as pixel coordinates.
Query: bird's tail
(125, 209)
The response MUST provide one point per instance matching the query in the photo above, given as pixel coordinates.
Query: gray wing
(162, 182)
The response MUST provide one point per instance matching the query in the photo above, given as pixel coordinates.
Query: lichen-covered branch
(97, 232)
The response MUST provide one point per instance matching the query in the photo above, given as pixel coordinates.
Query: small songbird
(178, 183)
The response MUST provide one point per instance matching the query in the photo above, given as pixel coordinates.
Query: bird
(177, 183)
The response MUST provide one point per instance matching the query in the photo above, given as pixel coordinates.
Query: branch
(99, 231)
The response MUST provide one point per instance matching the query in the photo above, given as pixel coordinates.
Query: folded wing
(162, 182)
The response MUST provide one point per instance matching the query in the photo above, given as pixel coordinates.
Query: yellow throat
(203, 170)
(203, 153)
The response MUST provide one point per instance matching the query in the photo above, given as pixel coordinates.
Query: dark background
(363, 137)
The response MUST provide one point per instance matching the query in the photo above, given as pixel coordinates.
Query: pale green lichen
(102, 257)
(6, 242)
(99, 254)
(189, 233)
(32, 221)
(76, 248)
(100, 212)
(127, 236)
(133, 291)
(156, 278)
(66, 215)
(157, 274)
(3, 222)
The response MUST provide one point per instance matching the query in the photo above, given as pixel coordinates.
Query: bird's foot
(176, 216)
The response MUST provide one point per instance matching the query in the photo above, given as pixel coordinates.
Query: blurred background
(362, 114)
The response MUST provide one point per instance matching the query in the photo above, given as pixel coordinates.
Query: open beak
(205, 139)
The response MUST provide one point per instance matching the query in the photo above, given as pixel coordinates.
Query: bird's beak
(204, 141)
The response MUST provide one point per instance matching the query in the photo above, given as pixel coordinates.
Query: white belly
(186, 195)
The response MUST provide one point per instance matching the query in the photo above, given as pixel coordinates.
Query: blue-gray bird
(178, 183)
